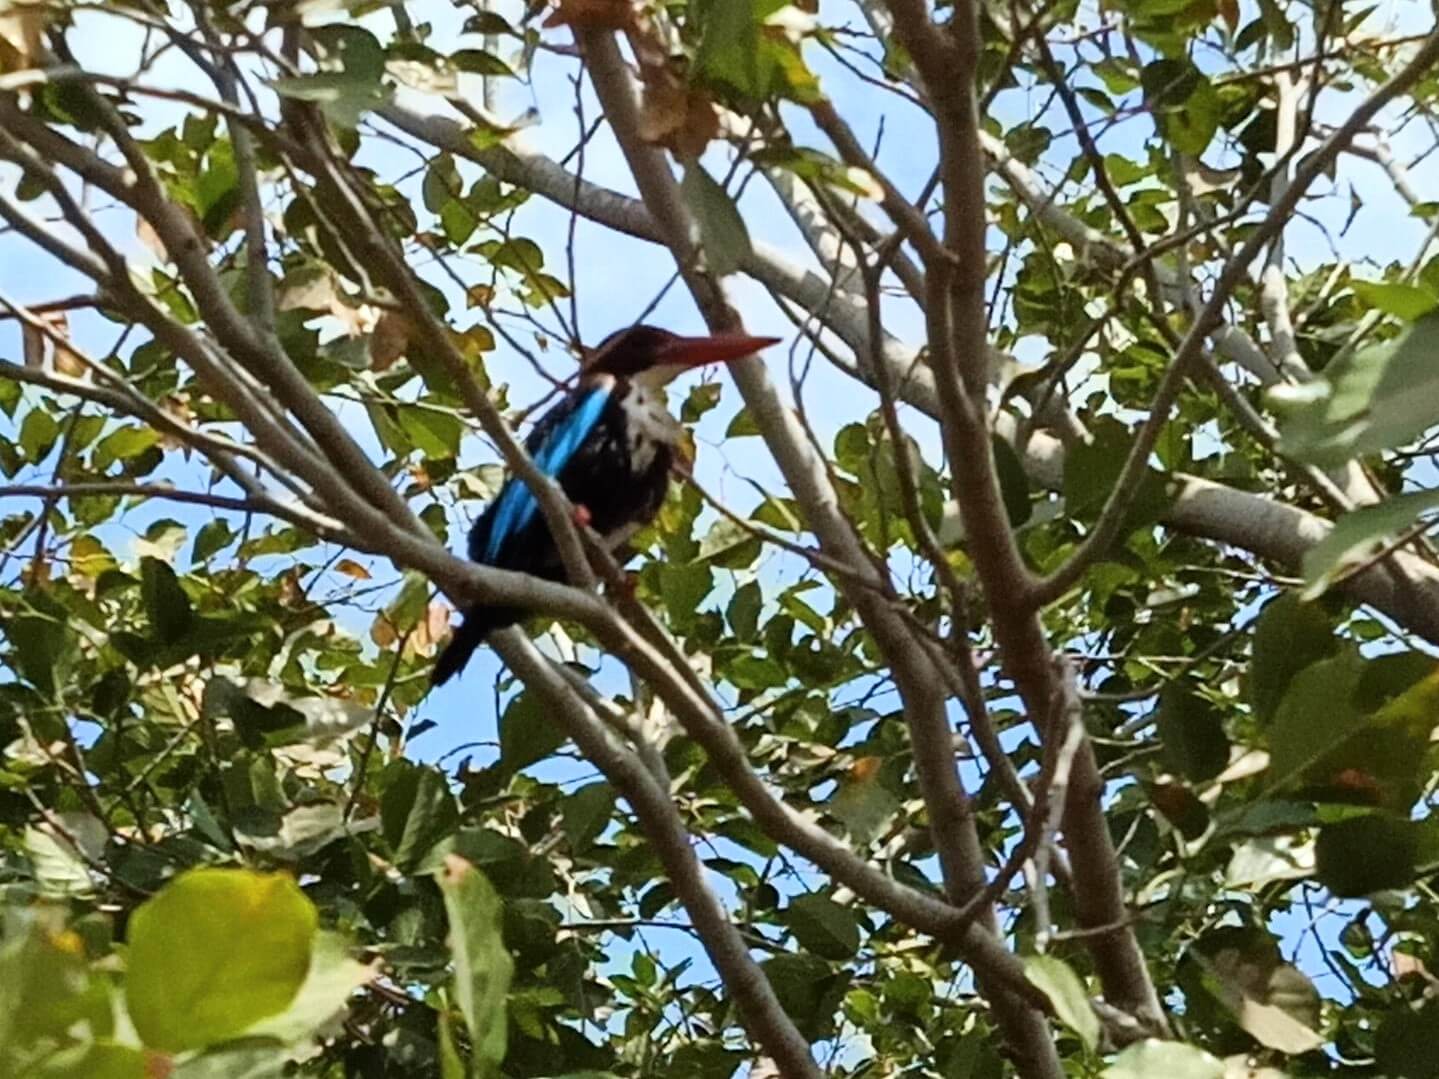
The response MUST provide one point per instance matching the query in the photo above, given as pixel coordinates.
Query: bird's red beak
(720, 348)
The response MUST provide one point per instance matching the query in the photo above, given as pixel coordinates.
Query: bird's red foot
(582, 515)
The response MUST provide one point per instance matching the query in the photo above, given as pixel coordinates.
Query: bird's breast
(648, 426)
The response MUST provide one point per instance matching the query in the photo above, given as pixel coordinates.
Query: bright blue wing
(516, 506)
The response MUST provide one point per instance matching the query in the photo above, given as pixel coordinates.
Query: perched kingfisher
(610, 445)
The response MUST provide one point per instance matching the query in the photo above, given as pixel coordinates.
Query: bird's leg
(582, 515)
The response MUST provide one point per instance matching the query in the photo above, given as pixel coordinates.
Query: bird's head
(653, 356)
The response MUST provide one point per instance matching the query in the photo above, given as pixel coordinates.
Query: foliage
(1068, 708)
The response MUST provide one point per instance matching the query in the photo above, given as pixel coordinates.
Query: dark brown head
(656, 356)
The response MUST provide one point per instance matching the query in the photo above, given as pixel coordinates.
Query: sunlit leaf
(216, 951)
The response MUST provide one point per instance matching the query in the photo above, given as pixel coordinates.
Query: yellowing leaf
(350, 568)
(213, 953)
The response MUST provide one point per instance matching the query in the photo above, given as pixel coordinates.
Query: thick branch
(759, 1008)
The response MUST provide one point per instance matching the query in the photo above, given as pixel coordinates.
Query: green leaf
(122, 445)
(235, 1062)
(166, 604)
(528, 733)
(684, 588)
(42, 639)
(46, 992)
(1289, 635)
(1408, 302)
(1191, 127)
(482, 965)
(435, 434)
(1367, 854)
(724, 238)
(479, 62)
(1057, 981)
(1376, 399)
(214, 952)
(1359, 534)
(212, 538)
(38, 432)
(344, 98)
(333, 976)
(1195, 744)
(823, 927)
(97, 1060)
(349, 84)
(417, 811)
(743, 610)
(1405, 1045)
(1316, 715)
(1013, 483)
(586, 812)
(807, 990)
(452, 1065)
(1092, 468)
(864, 805)
(62, 849)
(1173, 1060)
(729, 52)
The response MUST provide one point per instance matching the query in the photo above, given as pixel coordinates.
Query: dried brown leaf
(33, 340)
(350, 568)
(22, 35)
(389, 340)
(383, 632)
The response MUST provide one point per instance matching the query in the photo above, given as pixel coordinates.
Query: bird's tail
(477, 625)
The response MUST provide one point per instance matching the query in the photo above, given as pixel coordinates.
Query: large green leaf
(823, 927)
(483, 967)
(1358, 535)
(1173, 1060)
(1289, 635)
(166, 603)
(1408, 302)
(1405, 1045)
(216, 951)
(1367, 854)
(417, 811)
(1057, 980)
(1376, 399)
(95, 1060)
(1193, 734)
(527, 732)
(724, 237)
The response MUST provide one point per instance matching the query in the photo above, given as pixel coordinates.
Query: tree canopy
(1033, 674)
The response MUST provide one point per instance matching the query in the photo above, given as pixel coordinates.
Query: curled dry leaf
(431, 630)
(865, 769)
(38, 343)
(177, 407)
(389, 340)
(673, 114)
(22, 34)
(350, 568)
(383, 632)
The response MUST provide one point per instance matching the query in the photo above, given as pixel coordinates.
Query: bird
(610, 444)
